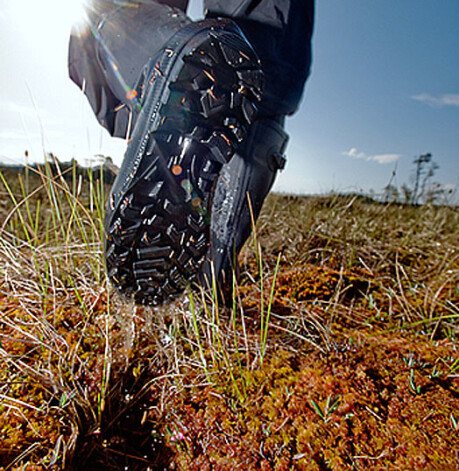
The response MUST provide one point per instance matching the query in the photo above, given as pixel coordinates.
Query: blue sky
(385, 82)
(384, 88)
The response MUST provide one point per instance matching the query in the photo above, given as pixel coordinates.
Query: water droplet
(186, 185)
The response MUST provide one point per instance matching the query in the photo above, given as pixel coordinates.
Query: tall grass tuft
(54, 326)
(69, 351)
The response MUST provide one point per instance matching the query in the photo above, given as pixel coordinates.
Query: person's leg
(107, 55)
(280, 32)
(242, 187)
(191, 90)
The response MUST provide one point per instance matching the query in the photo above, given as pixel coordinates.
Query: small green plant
(264, 323)
(331, 405)
(264, 315)
(414, 388)
(454, 367)
(410, 361)
(454, 422)
(266, 430)
(436, 373)
(176, 437)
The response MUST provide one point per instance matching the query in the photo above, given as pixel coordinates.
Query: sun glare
(41, 18)
(76, 11)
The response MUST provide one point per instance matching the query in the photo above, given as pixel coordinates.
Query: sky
(384, 89)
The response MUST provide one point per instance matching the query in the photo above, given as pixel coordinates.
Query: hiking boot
(196, 102)
(241, 190)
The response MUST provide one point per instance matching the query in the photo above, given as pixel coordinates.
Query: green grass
(304, 370)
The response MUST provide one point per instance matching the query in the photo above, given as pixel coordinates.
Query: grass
(338, 349)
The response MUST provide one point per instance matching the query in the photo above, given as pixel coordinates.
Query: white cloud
(447, 99)
(384, 158)
(380, 158)
(356, 155)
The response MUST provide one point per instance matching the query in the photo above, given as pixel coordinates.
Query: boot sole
(199, 99)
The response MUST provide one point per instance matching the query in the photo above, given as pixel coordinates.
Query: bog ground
(338, 349)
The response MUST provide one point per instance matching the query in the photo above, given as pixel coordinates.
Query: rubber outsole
(198, 100)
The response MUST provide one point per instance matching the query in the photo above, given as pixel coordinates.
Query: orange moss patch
(52, 368)
(378, 419)
(357, 298)
(309, 283)
(313, 283)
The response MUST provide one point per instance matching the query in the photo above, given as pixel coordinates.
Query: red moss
(379, 421)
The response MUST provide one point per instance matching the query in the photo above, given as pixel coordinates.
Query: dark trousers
(128, 32)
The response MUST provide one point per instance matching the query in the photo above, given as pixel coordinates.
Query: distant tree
(429, 189)
(432, 193)
(424, 189)
(425, 170)
(407, 193)
(391, 193)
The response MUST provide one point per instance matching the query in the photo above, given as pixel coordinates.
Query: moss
(357, 373)
(378, 420)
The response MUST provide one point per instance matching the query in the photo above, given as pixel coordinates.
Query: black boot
(241, 190)
(195, 102)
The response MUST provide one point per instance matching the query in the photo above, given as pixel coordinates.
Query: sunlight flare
(38, 19)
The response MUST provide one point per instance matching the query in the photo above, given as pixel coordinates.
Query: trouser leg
(280, 31)
(107, 55)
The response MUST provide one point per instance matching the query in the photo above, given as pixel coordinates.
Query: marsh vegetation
(338, 349)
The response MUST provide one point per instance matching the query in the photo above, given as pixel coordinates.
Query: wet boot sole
(198, 101)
